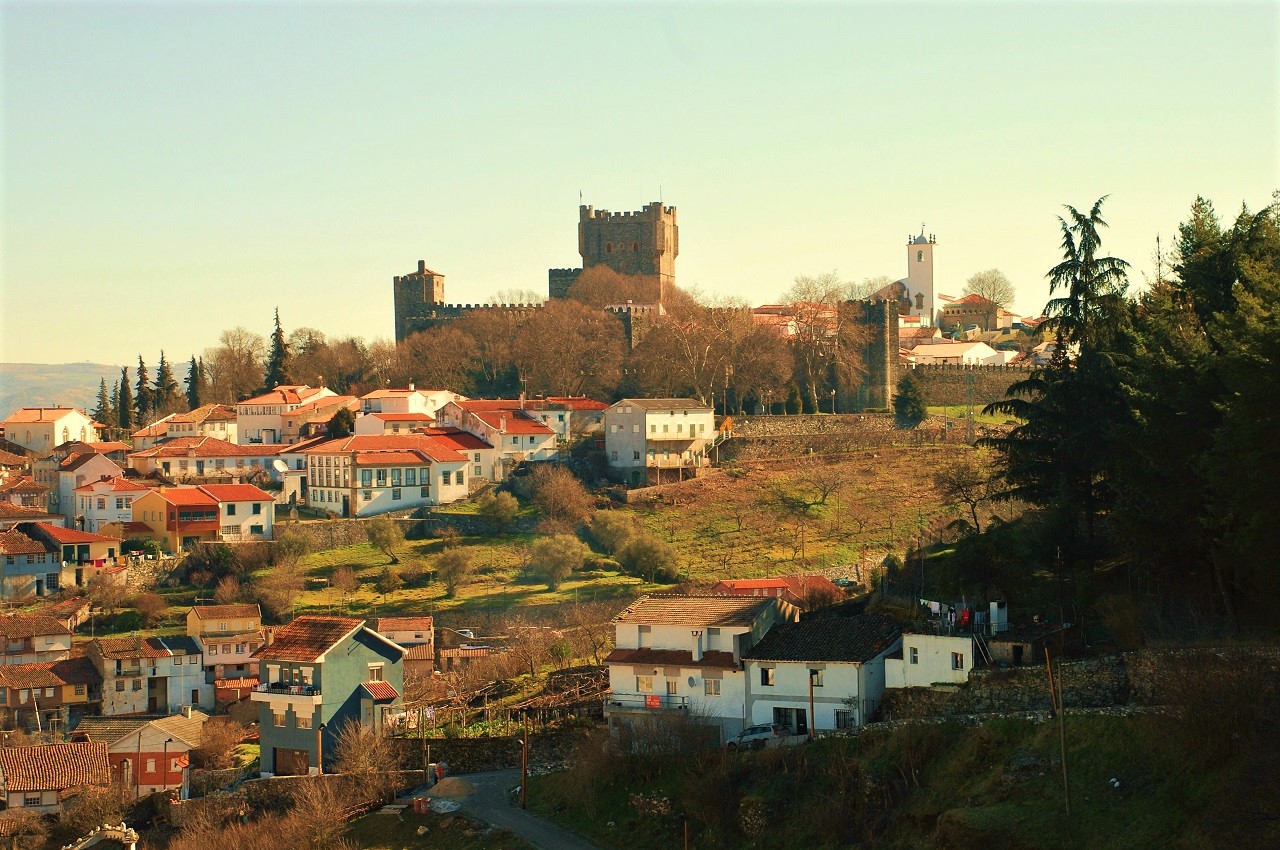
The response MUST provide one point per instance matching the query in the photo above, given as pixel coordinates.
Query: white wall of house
(42, 648)
(60, 426)
(848, 695)
(437, 483)
(637, 437)
(246, 520)
(40, 801)
(101, 506)
(930, 659)
(93, 469)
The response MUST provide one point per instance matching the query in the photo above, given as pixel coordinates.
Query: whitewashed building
(683, 654)
(41, 429)
(929, 659)
(261, 419)
(360, 476)
(821, 673)
(517, 435)
(651, 440)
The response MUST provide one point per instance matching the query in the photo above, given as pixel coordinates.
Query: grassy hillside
(48, 384)
(996, 785)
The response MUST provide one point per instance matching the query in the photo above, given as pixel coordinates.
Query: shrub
(500, 509)
(218, 739)
(647, 557)
(151, 607)
(560, 496)
(290, 547)
(128, 621)
(454, 567)
(344, 580)
(553, 558)
(612, 529)
(389, 581)
(385, 535)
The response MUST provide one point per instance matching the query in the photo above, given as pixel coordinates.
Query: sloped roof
(8, 510)
(54, 767)
(646, 656)
(435, 448)
(226, 612)
(402, 624)
(307, 638)
(58, 534)
(115, 484)
(409, 458)
(108, 730)
(14, 542)
(39, 414)
(188, 729)
(132, 647)
(202, 447)
(681, 610)
(236, 493)
(837, 639)
(203, 413)
(191, 497)
(290, 394)
(380, 691)
(23, 484)
(31, 625)
(665, 403)
(50, 674)
(10, 459)
(511, 421)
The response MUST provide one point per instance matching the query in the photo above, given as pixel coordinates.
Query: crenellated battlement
(652, 211)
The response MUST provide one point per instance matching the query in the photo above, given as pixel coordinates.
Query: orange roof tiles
(226, 612)
(381, 691)
(187, 497)
(8, 510)
(236, 493)
(511, 422)
(679, 610)
(58, 534)
(113, 485)
(434, 448)
(39, 414)
(18, 626)
(54, 767)
(390, 458)
(402, 624)
(50, 674)
(307, 638)
(16, 543)
(132, 647)
(203, 447)
(291, 394)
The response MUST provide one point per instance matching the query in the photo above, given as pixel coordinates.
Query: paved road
(490, 802)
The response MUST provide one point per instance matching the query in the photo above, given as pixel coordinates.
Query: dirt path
(490, 802)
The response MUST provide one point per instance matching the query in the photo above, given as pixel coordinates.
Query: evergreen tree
(124, 407)
(278, 359)
(115, 402)
(102, 413)
(193, 381)
(341, 425)
(166, 386)
(144, 401)
(908, 402)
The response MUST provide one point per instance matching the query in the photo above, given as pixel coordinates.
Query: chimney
(522, 399)
(411, 386)
(502, 423)
(186, 711)
(422, 266)
(697, 645)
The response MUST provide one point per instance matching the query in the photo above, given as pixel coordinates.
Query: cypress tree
(115, 402)
(102, 413)
(166, 386)
(124, 407)
(278, 360)
(193, 382)
(145, 400)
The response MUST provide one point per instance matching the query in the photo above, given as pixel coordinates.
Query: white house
(411, 400)
(35, 777)
(928, 659)
(43, 428)
(958, 353)
(645, 437)
(684, 654)
(378, 424)
(244, 512)
(517, 434)
(228, 635)
(821, 673)
(261, 419)
(366, 475)
(107, 500)
(209, 420)
(153, 675)
(189, 458)
(75, 471)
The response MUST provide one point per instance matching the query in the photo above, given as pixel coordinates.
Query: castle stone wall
(949, 383)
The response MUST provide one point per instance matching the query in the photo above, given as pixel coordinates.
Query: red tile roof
(16, 543)
(23, 484)
(226, 612)
(680, 610)
(307, 638)
(50, 674)
(190, 497)
(132, 647)
(39, 414)
(436, 449)
(403, 417)
(156, 429)
(670, 658)
(8, 510)
(202, 447)
(238, 684)
(77, 459)
(577, 402)
(291, 394)
(973, 299)
(236, 493)
(511, 422)
(381, 691)
(113, 485)
(54, 767)
(58, 534)
(459, 440)
(17, 626)
(402, 624)
(11, 459)
(204, 413)
(391, 458)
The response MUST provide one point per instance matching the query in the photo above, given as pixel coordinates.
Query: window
(102, 504)
(424, 492)
(475, 473)
(79, 690)
(711, 687)
(31, 800)
(815, 677)
(375, 672)
(915, 655)
(255, 529)
(844, 718)
(445, 477)
(395, 494)
(957, 661)
(644, 684)
(277, 718)
(395, 478)
(120, 503)
(239, 647)
(411, 477)
(257, 508)
(366, 478)
(766, 677)
(673, 687)
(226, 649)
(137, 684)
(382, 477)
(653, 429)
(613, 456)
(635, 455)
(304, 722)
(151, 765)
(231, 510)
(119, 686)
(367, 495)
(460, 477)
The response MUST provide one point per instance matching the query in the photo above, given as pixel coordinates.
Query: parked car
(755, 737)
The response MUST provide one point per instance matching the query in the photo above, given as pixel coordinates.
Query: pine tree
(145, 400)
(102, 413)
(908, 402)
(166, 386)
(124, 406)
(115, 402)
(278, 360)
(195, 378)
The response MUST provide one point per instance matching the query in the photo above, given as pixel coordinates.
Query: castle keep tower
(417, 297)
(641, 245)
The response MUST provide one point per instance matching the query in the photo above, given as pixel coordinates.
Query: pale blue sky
(171, 170)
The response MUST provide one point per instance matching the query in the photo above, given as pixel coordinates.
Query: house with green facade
(316, 675)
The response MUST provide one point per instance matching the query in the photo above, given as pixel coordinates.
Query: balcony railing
(640, 702)
(286, 689)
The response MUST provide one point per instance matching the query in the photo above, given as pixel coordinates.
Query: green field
(960, 411)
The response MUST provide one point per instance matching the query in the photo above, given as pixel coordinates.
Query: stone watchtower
(641, 245)
(418, 295)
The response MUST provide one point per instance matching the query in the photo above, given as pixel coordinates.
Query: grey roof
(848, 639)
(181, 644)
(690, 610)
(108, 730)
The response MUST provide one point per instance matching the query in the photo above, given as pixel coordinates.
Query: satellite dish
(279, 466)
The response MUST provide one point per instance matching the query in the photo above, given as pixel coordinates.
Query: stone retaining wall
(948, 384)
(477, 755)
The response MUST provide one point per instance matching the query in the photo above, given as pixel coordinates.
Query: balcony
(644, 702)
(285, 692)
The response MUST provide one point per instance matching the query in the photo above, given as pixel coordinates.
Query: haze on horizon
(170, 171)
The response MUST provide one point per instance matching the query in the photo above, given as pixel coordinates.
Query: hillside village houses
(517, 434)
(33, 639)
(261, 419)
(364, 475)
(312, 419)
(960, 353)
(409, 400)
(49, 696)
(149, 675)
(35, 778)
(105, 501)
(148, 754)
(228, 636)
(40, 429)
(75, 471)
(317, 674)
(684, 654)
(178, 516)
(646, 436)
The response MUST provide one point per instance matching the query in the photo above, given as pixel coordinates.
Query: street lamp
(320, 748)
(164, 764)
(833, 401)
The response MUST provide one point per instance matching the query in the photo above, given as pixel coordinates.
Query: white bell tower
(919, 278)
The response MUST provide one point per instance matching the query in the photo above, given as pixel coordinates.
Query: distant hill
(49, 385)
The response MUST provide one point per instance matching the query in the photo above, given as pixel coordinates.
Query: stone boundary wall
(431, 523)
(805, 424)
(949, 384)
(477, 755)
(1131, 679)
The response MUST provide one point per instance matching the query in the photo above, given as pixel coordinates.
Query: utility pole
(813, 718)
(524, 765)
(1055, 695)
